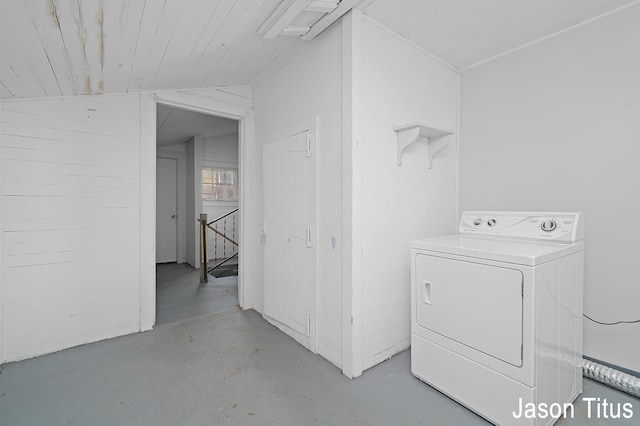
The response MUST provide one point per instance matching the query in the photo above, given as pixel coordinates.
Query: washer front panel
(479, 306)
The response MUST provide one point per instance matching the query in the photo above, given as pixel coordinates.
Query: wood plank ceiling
(76, 47)
(174, 125)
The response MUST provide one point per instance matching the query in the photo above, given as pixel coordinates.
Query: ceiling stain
(101, 22)
(89, 89)
(83, 41)
(54, 12)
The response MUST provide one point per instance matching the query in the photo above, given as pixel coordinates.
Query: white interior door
(166, 210)
(289, 247)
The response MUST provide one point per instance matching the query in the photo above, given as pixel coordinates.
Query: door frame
(2, 333)
(247, 258)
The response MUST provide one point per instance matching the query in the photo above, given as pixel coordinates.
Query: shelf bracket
(436, 139)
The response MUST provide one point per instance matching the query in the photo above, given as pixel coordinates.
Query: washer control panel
(548, 225)
(560, 227)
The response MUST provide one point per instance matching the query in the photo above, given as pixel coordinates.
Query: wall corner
(147, 211)
(352, 193)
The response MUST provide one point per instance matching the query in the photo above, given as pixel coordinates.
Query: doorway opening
(197, 163)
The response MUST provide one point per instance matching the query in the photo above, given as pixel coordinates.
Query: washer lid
(521, 252)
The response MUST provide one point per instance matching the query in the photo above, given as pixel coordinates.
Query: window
(219, 184)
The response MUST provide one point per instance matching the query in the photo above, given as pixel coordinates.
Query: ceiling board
(174, 125)
(79, 47)
(184, 35)
(46, 27)
(25, 73)
(234, 28)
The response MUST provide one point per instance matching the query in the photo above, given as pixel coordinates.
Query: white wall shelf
(436, 139)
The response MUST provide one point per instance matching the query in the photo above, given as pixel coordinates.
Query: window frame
(223, 167)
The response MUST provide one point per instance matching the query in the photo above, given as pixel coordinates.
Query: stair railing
(223, 245)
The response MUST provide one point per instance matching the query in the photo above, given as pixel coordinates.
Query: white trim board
(352, 195)
(2, 333)
(147, 212)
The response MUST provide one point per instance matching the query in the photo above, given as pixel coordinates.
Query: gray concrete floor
(231, 368)
(180, 295)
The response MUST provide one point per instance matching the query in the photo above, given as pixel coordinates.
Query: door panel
(477, 305)
(289, 210)
(166, 210)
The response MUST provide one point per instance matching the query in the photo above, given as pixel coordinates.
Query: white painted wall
(309, 86)
(554, 127)
(400, 84)
(77, 212)
(71, 209)
(223, 149)
(362, 80)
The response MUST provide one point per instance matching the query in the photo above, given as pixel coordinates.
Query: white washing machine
(496, 314)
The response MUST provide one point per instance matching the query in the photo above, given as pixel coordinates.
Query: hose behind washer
(611, 377)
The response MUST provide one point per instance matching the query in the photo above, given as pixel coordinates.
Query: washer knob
(491, 223)
(548, 225)
(477, 222)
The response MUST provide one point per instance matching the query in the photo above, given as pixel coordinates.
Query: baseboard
(615, 367)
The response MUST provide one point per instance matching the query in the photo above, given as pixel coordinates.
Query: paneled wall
(77, 223)
(71, 222)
